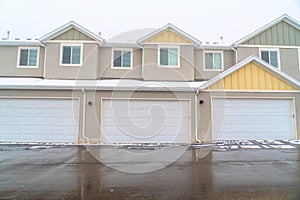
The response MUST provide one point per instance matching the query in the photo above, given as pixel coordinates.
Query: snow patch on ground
(283, 146)
(250, 146)
(40, 147)
(293, 141)
(268, 142)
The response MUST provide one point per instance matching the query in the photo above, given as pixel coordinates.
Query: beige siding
(72, 34)
(202, 74)
(245, 52)
(205, 110)
(9, 61)
(88, 70)
(289, 62)
(279, 34)
(153, 72)
(105, 70)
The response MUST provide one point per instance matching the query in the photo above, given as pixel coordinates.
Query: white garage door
(236, 119)
(38, 120)
(145, 121)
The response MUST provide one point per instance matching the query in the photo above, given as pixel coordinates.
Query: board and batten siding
(73, 34)
(281, 34)
(251, 77)
(168, 37)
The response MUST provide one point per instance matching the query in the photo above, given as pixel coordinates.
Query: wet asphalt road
(71, 172)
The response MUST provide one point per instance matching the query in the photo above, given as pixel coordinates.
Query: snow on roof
(129, 37)
(113, 84)
(20, 42)
(215, 46)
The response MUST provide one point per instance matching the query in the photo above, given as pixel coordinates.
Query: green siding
(282, 34)
(72, 34)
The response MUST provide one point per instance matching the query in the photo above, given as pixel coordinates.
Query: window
(270, 56)
(122, 58)
(169, 57)
(213, 61)
(28, 57)
(71, 55)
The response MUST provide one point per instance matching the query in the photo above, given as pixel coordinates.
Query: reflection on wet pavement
(71, 172)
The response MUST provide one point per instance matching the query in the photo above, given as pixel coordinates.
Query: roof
(20, 42)
(128, 38)
(215, 46)
(257, 61)
(284, 17)
(174, 28)
(113, 84)
(68, 26)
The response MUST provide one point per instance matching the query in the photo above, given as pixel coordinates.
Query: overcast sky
(205, 20)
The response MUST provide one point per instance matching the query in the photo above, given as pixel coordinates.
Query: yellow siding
(251, 77)
(168, 37)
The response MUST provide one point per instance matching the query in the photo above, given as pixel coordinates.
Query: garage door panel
(140, 121)
(252, 119)
(39, 120)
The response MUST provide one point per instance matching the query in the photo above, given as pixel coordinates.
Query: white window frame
(61, 54)
(169, 47)
(222, 58)
(37, 57)
(271, 49)
(121, 49)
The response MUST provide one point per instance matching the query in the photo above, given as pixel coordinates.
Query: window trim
(271, 49)
(61, 54)
(27, 66)
(222, 58)
(169, 47)
(121, 67)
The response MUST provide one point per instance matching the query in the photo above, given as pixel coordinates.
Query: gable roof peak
(258, 61)
(169, 25)
(68, 26)
(284, 17)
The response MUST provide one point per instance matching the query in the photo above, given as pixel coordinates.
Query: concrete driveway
(72, 172)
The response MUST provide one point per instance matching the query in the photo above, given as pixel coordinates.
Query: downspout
(45, 59)
(143, 56)
(236, 54)
(83, 116)
(196, 115)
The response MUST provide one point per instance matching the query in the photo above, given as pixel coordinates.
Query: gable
(72, 34)
(281, 34)
(251, 77)
(168, 36)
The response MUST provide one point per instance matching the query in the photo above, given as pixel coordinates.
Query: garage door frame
(293, 109)
(55, 98)
(150, 99)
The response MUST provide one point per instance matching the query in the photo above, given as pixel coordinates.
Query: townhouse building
(150, 86)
